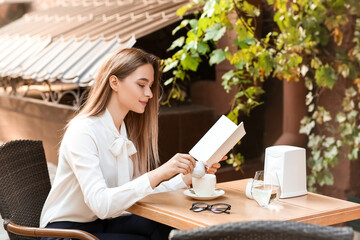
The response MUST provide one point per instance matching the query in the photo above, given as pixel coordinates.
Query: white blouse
(94, 178)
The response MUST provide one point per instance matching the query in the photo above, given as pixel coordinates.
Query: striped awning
(68, 42)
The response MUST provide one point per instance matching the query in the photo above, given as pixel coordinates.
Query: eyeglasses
(215, 208)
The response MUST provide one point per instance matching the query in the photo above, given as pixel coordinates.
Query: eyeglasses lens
(220, 208)
(198, 207)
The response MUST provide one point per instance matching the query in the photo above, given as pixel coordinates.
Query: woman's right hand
(179, 163)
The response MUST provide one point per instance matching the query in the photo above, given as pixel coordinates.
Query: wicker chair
(258, 230)
(24, 186)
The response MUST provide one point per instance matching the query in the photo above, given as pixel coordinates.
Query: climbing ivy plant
(307, 44)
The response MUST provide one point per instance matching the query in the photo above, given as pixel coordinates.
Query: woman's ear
(114, 82)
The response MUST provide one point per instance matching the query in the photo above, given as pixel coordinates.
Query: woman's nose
(148, 93)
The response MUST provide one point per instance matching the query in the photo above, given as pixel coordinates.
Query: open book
(218, 141)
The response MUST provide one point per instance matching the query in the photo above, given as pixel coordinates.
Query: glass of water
(265, 190)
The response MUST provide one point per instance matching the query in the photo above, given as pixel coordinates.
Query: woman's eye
(141, 85)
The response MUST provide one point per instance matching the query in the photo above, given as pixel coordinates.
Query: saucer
(216, 194)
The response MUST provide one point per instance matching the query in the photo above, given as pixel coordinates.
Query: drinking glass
(265, 189)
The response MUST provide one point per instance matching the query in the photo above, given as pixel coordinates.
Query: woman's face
(134, 92)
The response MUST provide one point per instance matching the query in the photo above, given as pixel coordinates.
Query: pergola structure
(53, 53)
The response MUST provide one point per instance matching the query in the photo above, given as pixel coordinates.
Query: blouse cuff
(178, 182)
(142, 185)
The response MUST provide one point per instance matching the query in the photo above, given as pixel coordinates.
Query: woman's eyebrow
(146, 80)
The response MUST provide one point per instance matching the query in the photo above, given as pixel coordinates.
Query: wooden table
(172, 208)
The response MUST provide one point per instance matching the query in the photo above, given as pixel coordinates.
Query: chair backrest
(24, 182)
(254, 230)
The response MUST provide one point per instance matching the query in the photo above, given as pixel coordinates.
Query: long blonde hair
(142, 128)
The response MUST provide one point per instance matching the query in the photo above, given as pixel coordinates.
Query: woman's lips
(143, 103)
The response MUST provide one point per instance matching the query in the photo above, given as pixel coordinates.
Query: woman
(108, 152)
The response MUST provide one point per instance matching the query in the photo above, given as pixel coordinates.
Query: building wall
(24, 119)
(11, 11)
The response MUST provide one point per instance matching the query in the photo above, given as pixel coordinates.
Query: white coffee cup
(199, 170)
(204, 186)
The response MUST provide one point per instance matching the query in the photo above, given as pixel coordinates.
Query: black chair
(267, 230)
(24, 186)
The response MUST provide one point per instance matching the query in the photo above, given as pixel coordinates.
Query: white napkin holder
(289, 163)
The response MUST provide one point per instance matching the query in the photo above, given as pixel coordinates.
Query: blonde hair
(142, 128)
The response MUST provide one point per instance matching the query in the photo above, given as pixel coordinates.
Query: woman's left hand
(213, 168)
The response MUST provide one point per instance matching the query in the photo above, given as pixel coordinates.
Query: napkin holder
(289, 163)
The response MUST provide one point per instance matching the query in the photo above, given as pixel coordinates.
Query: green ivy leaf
(167, 82)
(325, 76)
(203, 48)
(209, 8)
(191, 37)
(239, 94)
(215, 32)
(307, 124)
(328, 178)
(217, 56)
(266, 63)
(347, 129)
(309, 84)
(254, 91)
(190, 63)
(240, 64)
(294, 60)
(228, 75)
(353, 155)
(350, 92)
(170, 66)
(311, 107)
(250, 9)
(177, 43)
(341, 117)
(193, 23)
(243, 33)
(203, 24)
(233, 115)
(311, 180)
(318, 166)
(179, 74)
(316, 63)
(309, 98)
(183, 24)
(352, 115)
(344, 70)
(329, 141)
(245, 43)
(181, 11)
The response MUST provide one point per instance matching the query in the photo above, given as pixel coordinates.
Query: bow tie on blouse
(122, 149)
(122, 146)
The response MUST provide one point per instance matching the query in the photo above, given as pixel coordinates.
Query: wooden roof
(68, 42)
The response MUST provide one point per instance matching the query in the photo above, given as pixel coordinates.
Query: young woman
(109, 154)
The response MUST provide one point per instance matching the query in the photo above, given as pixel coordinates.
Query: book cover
(218, 141)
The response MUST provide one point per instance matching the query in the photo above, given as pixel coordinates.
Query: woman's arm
(82, 155)
(180, 163)
(187, 177)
